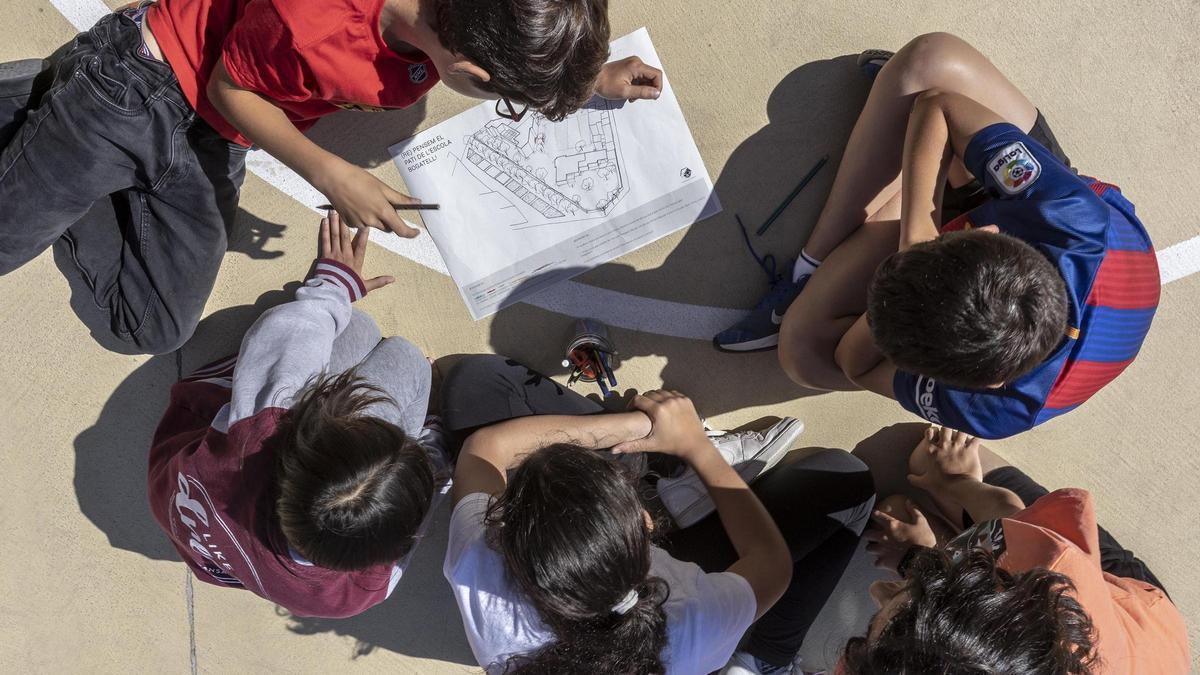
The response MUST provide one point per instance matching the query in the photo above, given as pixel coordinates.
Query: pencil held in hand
(402, 207)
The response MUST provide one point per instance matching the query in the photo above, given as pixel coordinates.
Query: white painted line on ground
(83, 14)
(1178, 261)
(633, 312)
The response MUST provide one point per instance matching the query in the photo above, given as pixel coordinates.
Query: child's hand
(630, 79)
(943, 456)
(675, 428)
(338, 243)
(890, 535)
(365, 201)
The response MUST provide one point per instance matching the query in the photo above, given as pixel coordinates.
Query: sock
(805, 265)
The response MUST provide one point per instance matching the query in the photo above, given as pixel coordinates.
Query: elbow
(1008, 503)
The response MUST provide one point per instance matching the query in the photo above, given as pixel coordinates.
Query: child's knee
(159, 339)
(471, 371)
(405, 355)
(928, 60)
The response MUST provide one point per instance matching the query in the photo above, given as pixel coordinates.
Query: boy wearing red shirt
(156, 105)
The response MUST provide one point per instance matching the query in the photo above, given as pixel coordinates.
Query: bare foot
(950, 452)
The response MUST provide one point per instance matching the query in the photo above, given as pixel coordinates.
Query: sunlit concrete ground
(88, 582)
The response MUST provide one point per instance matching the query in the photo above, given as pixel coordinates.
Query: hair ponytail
(574, 540)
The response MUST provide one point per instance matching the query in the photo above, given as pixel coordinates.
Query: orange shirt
(1138, 629)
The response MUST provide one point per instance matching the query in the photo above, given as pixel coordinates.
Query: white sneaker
(751, 453)
(742, 663)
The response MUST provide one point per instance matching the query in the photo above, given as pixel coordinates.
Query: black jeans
(1114, 558)
(821, 502)
(115, 125)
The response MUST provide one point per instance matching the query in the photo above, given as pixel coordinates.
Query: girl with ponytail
(553, 560)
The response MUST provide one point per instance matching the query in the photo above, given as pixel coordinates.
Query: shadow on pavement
(111, 455)
(362, 138)
(420, 619)
(811, 113)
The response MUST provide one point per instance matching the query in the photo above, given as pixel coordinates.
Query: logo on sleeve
(926, 401)
(418, 73)
(1014, 168)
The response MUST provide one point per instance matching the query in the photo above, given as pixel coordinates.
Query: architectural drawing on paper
(561, 170)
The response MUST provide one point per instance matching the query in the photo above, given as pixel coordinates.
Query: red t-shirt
(309, 58)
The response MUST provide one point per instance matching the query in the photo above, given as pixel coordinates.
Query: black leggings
(1114, 558)
(821, 502)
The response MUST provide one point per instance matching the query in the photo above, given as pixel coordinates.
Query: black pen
(404, 207)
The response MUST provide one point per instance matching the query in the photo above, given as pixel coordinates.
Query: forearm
(749, 527)
(266, 125)
(982, 501)
(924, 167)
(503, 444)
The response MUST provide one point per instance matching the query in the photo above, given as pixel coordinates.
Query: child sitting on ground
(155, 107)
(557, 567)
(1044, 300)
(299, 469)
(1032, 585)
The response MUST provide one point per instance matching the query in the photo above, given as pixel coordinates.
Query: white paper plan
(528, 204)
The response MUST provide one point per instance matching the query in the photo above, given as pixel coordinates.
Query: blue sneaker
(759, 330)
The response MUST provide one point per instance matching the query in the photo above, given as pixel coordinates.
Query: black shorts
(960, 200)
(1114, 558)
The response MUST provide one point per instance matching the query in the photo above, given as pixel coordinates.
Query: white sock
(805, 265)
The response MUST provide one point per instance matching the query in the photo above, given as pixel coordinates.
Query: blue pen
(608, 371)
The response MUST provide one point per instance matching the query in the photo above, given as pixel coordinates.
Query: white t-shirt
(706, 613)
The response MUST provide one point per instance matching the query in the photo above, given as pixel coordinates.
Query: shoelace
(777, 290)
(766, 262)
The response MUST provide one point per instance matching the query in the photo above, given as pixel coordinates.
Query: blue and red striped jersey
(1090, 232)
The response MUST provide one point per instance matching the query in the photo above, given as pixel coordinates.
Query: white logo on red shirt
(201, 517)
(194, 517)
(418, 73)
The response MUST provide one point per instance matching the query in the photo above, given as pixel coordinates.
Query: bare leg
(863, 210)
(870, 170)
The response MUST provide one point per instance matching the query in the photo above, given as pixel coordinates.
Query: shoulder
(310, 22)
(986, 413)
(497, 621)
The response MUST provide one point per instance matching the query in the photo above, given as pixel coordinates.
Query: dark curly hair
(546, 53)
(574, 540)
(970, 309)
(967, 616)
(351, 489)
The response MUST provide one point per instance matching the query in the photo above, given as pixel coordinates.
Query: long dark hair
(351, 489)
(575, 542)
(967, 616)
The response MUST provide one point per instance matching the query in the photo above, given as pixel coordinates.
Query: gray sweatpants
(393, 364)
